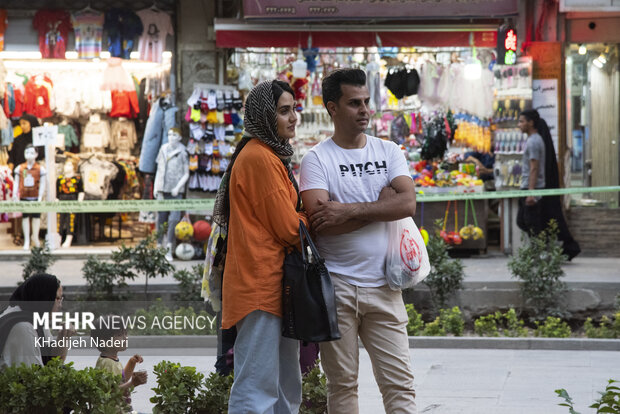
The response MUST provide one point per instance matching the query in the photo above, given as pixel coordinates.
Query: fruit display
(430, 174)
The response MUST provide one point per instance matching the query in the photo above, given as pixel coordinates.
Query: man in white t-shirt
(352, 185)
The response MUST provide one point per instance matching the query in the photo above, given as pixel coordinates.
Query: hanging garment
(71, 139)
(53, 27)
(96, 136)
(88, 26)
(161, 118)
(122, 26)
(38, 96)
(152, 43)
(124, 104)
(4, 22)
(123, 137)
(115, 78)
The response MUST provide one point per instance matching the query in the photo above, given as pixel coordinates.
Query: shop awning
(239, 34)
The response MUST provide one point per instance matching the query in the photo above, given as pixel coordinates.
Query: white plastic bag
(407, 261)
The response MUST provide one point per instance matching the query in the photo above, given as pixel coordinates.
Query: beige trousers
(378, 316)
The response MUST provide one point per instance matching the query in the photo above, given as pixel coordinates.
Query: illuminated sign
(506, 45)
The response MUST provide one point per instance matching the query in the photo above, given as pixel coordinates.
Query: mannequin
(170, 178)
(30, 182)
(69, 186)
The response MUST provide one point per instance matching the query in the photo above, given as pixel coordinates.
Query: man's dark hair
(331, 85)
(107, 327)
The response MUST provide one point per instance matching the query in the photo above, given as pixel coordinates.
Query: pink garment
(115, 78)
(157, 25)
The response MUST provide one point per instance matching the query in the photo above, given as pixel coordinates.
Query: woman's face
(58, 302)
(286, 117)
(25, 125)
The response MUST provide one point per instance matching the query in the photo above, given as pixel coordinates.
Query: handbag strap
(303, 233)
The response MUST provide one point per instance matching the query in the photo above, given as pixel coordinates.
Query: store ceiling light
(20, 55)
(583, 49)
(598, 63)
(602, 58)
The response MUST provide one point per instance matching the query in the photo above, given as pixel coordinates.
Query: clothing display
(175, 164)
(29, 181)
(157, 25)
(97, 178)
(122, 26)
(124, 104)
(88, 27)
(4, 22)
(96, 136)
(53, 27)
(6, 183)
(39, 96)
(67, 188)
(215, 124)
(71, 139)
(115, 78)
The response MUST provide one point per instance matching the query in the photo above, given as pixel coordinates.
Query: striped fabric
(88, 28)
(260, 122)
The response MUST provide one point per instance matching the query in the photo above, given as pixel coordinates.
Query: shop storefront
(592, 105)
(95, 83)
(433, 91)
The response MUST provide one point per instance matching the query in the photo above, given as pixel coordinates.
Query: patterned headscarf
(261, 123)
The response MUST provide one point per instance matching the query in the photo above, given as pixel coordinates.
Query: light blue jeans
(267, 373)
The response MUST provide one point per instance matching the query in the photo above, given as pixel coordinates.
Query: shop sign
(404, 9)
(45, 135)
(545, 99)
(506, 45)
(589, 6)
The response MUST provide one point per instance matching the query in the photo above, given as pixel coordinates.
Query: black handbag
(309, 310)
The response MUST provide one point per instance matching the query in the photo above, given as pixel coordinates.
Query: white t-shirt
(354, 176)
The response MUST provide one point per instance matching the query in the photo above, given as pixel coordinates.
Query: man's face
(351, 111)
(524, 124)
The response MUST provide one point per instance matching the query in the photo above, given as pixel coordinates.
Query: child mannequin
(29, 180)
(68, 187)
(170, 178)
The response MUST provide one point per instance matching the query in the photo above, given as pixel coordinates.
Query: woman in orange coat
(261, 207)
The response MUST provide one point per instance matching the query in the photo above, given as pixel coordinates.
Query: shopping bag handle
(304, 234)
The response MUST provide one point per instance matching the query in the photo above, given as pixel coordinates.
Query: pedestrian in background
(540, 170)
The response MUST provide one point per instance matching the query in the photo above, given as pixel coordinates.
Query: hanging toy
(443, 233)
(423, 231)
(454, 235)
(466, 230)
(477, 232)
